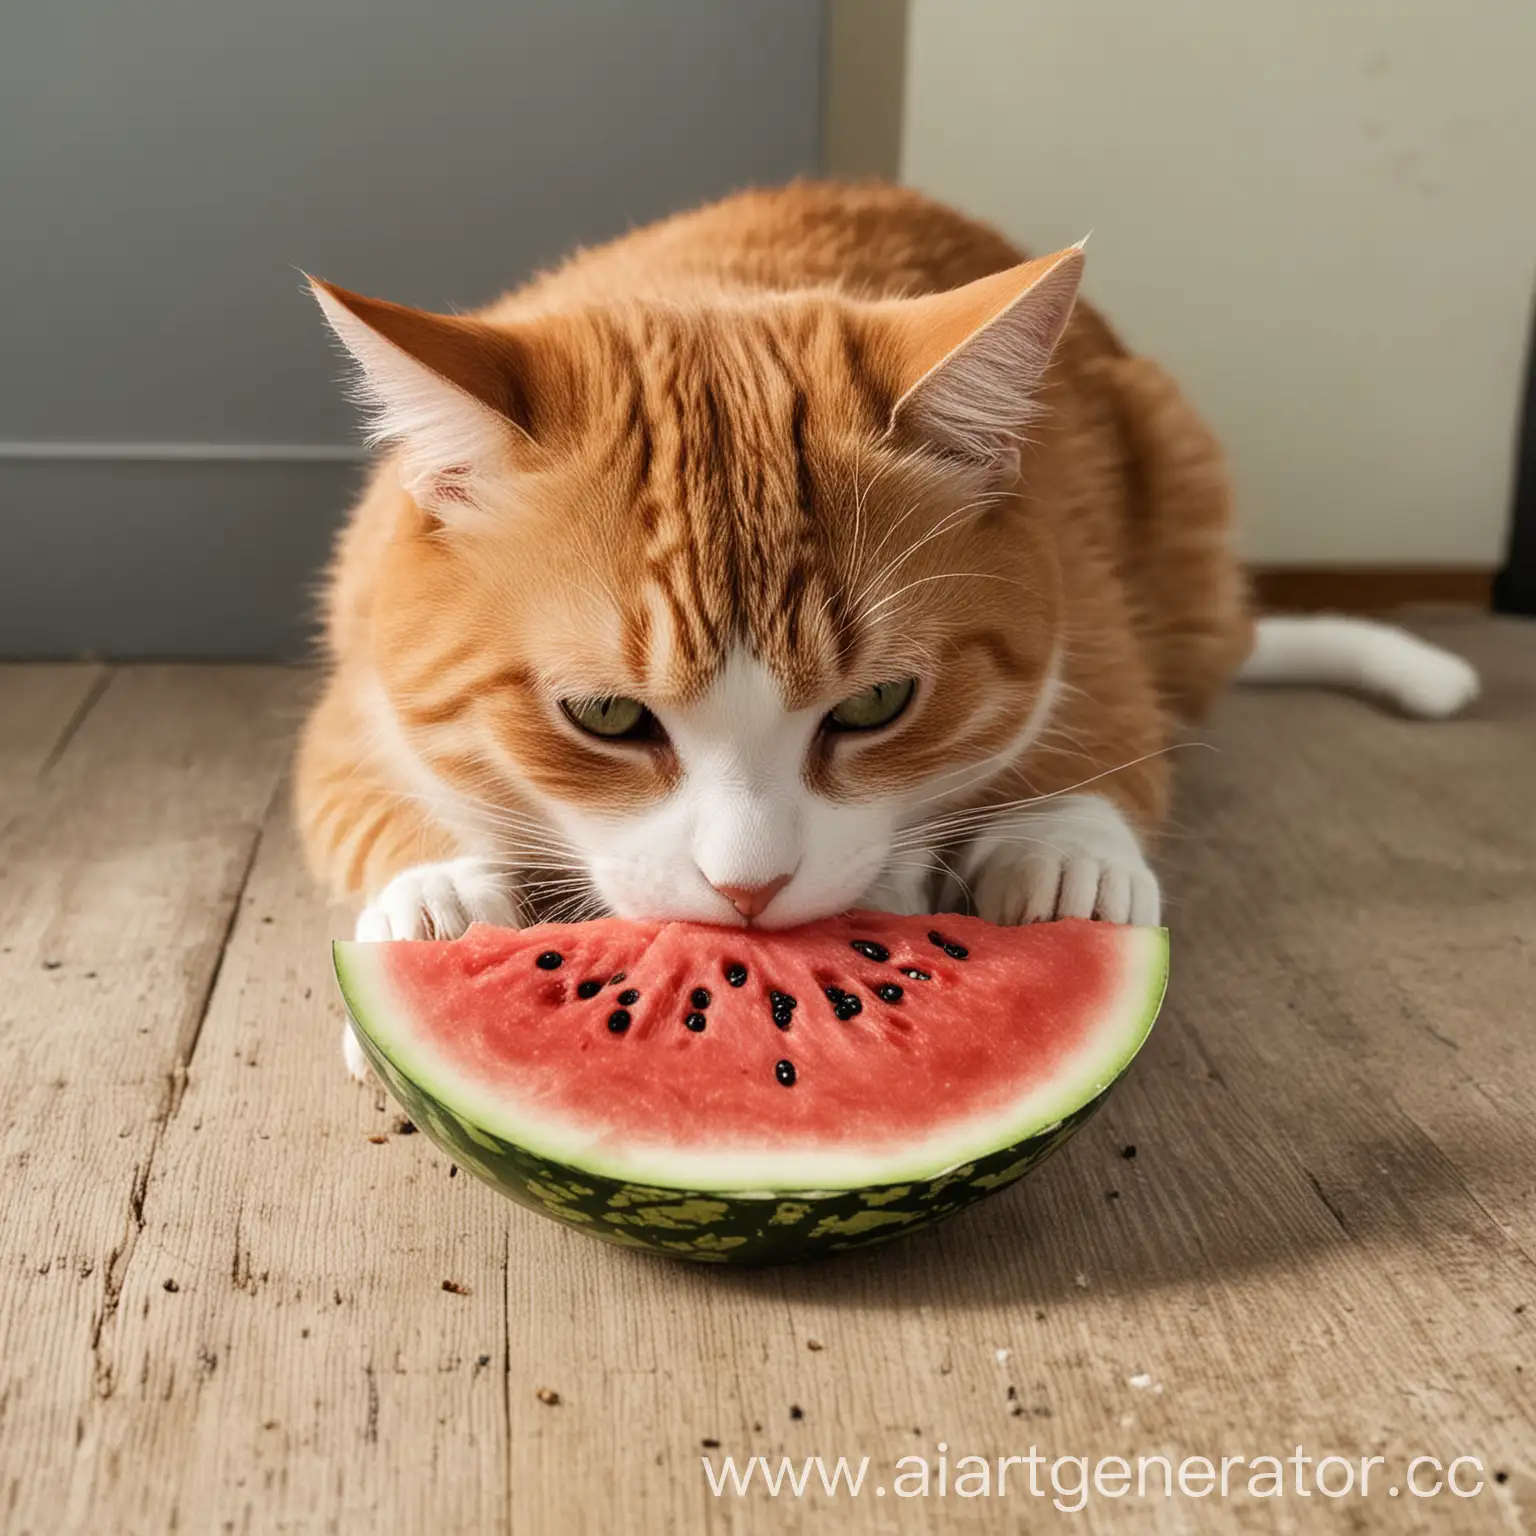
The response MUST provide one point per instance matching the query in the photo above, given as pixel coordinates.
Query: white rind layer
(1110, 1046)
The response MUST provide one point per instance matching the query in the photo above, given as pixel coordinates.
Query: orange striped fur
(798, 439)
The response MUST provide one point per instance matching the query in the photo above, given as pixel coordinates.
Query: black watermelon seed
(696, 1022)
(870, 950)
(912, 972)
(783, 1017)
(618, 1020)
(736, 974)
(700, 998)
(785, 1072)
(835, 994)
(888, 992)
(629, 995)
(588, 988)
(782, 1002)
(550, 960)
(953, 950)
(847, 1006)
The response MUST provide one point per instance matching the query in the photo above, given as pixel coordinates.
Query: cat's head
(705, 604)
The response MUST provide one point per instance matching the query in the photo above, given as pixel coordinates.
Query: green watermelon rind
(697, 1219)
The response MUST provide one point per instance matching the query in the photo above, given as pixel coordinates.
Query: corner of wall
(864, 91)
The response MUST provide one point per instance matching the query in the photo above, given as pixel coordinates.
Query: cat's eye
(614, 718)
(872, 708)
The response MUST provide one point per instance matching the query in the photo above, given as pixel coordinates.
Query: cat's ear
(461, 398)
(968, 363)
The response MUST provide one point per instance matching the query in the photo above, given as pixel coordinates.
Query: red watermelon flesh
(666, 1054)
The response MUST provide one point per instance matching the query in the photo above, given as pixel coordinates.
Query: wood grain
(309, 1360)
(117, 881)
(1369, 588)
(1325, 1235)
(40, 707)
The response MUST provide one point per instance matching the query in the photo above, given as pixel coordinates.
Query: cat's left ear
(967, 364)
(468, 403)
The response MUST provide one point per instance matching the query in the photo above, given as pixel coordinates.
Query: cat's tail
(1380, 659)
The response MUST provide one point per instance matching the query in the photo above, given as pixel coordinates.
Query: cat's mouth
(563, 902)
(788, 900)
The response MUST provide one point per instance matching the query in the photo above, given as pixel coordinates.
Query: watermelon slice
(735, 1095)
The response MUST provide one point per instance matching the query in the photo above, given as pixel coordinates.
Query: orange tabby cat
(809, 550)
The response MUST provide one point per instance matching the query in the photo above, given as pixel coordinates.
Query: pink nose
(749, 900)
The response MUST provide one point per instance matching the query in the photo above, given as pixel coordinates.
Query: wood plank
(39, 706)
(308, 1371)
(117, 883)
(1414, 910)
(1369, 588)
(1324, 1237)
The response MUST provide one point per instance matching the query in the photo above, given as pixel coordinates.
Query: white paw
(432, 901)
(1074, 857)
(439, 901)
(352, 1054)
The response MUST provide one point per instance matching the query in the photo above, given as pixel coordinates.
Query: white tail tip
(1380, 659)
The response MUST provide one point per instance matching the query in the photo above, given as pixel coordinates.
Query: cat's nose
(749, 900)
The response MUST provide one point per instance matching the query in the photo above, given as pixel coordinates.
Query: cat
(813, 549)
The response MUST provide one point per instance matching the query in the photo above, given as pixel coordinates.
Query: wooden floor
(222, 1265)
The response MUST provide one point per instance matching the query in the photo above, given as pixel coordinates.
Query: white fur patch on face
(742, 816)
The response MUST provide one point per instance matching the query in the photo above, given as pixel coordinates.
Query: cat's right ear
(468, 403)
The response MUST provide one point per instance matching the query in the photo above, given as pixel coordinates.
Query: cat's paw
(1075, 857)
(439, 901)
(352, 1054)
(431, 901)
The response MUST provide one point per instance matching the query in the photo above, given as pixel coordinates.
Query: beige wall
(1320, 213)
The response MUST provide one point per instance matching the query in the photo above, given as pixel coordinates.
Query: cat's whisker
(843, 590)
(856, 544)
(532, 836)
(545, 898)
(958, 839)
(900, 520)
(897, 524)
(850, 566)
(861, 502)
(979, 816)
(957, 877)
(992, 764)
(919, 581)
(935, 860)
(533, 868)
(579, 908)
(946, 524)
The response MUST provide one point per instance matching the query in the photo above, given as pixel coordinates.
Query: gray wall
(174, 452)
